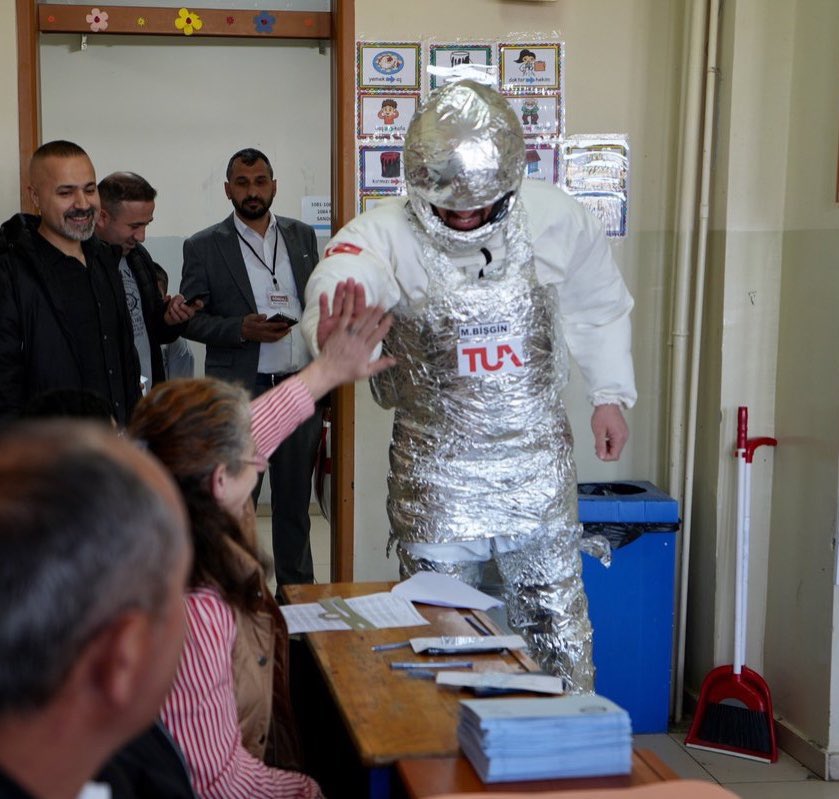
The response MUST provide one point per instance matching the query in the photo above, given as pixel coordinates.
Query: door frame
(342, 107)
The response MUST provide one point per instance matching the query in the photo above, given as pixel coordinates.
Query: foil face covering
(464, 149)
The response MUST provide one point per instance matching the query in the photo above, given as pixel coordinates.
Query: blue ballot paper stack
(550, 738)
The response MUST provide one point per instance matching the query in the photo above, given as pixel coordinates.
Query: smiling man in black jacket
(63, 318)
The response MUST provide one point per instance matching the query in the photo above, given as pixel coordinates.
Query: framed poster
(456, 54)
(530, 66)
(542, 162)
(370, 200)
(388, 65)
(381, 115)
(380, 168)
(609, 208)
(596, 163)
(539, 114)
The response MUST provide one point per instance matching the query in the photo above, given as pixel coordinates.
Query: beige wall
(769, 343)
(802, 649)
(741, 319)
(623, 76)
(9, 164)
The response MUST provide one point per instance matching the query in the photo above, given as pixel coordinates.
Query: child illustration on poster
(388, 112)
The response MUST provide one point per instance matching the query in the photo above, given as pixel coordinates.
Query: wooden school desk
(426, 777)
(357, 716)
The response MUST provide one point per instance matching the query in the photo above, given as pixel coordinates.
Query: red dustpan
(734, 714)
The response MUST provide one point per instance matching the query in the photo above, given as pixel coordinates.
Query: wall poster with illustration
(385, 115)
(393, 65)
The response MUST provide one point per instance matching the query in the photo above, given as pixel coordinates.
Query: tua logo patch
(342, 247)
(475, 358)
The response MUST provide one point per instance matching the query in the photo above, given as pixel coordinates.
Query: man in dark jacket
(127, 210)
(63, 317)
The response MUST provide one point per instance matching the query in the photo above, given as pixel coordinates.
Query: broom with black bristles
(734, 714)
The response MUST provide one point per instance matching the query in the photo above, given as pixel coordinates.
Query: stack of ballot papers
(545, 738)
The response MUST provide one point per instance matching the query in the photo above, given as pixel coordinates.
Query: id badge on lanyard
(279, 300)
(488, 348)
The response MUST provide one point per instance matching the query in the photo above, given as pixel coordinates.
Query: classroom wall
(740, 336)
(623, 74)
(769, 343)
(174, 111)
(9, 144)
(801, 637)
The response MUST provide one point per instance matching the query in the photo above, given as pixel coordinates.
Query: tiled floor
(786, 779)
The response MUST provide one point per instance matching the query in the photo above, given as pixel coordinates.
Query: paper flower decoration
(98, 20)
(188, 22)
(264, 22)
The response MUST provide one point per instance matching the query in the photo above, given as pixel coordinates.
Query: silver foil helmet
(464, 149)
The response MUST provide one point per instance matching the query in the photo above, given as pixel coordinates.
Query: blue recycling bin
(631, 603)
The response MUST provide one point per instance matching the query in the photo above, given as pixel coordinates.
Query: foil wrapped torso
(475, 456)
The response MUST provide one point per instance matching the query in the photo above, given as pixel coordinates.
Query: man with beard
(250, 271)
(127, 201)
(63, 318)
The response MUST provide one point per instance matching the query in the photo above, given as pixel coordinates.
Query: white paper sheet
(382, 609)
(538, 683)
(440, 589)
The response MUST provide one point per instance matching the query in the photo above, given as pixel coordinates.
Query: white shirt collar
(244, 230)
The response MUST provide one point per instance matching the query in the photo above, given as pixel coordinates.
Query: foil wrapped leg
(547, 605)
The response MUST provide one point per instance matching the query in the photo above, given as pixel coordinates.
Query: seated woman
(229, 707)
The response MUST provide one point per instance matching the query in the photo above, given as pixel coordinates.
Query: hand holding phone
(281, 317)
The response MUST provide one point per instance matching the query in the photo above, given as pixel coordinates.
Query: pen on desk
(386, 647)
(432, 664)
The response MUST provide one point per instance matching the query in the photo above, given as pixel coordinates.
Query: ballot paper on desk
(503, 681)
(370, 612)
(545, 738)
(432, 588)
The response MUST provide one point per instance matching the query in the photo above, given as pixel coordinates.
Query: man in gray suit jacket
(250, 271)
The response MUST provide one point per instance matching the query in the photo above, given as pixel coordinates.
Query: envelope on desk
(440, 589)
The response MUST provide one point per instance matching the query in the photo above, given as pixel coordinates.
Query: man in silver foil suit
(491, 283)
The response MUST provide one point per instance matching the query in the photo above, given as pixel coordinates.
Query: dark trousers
(290, 471)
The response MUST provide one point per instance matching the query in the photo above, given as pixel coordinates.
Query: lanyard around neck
(273, 268)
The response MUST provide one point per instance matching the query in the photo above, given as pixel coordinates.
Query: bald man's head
(91, 527)
(62, 187)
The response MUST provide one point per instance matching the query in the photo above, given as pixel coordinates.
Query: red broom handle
(742, 427)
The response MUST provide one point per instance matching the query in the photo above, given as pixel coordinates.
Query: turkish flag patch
(342, 247)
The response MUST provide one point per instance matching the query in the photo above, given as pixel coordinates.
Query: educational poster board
(394, 77)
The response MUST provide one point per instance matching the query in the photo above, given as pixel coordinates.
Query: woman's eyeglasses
(258, 461)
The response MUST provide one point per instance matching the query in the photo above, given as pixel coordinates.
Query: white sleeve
(593, 307)
(360, 251)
